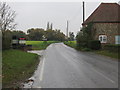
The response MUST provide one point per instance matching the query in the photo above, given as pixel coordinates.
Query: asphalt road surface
(64, 67)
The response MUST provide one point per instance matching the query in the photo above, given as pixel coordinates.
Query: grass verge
(71, 44)
(17, 67)
(39, 45)
(101, 52)
(107, 53)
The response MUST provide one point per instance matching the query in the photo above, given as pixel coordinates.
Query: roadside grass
(71, 44)
(17, 66)
(101, 52)
(39, 45)
(108, 53)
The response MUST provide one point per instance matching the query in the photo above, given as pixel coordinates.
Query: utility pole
(67, 29)
(83, 11)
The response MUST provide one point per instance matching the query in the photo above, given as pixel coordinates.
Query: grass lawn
(39, 45)
(107, 53)
(17, 67)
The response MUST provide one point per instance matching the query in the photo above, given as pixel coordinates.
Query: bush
(6, 43)
(112, 48)
(94, 44)
(6, 40)
(85, 49)
(82, 44)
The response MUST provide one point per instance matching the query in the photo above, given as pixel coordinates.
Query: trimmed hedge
(94, 44)
(112, 48)
(82, 44)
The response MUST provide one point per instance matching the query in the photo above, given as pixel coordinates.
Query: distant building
(106, 23)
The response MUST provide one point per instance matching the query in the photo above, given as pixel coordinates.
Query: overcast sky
(37, 14)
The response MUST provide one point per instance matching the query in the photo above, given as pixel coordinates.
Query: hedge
(82, 44)
(94, 44)
(6, 43)
(112, 48)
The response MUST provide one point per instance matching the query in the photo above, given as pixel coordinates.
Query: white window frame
(117, 39)
(103, 38)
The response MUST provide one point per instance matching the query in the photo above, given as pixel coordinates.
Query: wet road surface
(64, 67)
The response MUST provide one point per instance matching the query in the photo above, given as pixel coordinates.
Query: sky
(36, 14)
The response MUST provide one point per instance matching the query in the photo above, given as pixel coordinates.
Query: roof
(106, 12)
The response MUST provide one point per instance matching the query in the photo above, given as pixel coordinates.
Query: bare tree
(7, 17)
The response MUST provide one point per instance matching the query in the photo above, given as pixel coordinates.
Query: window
(103, 38)
(117, 39)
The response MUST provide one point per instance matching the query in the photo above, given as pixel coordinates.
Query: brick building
(106, 23)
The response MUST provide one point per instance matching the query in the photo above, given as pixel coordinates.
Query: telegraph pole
(83, 11)
(67, 29)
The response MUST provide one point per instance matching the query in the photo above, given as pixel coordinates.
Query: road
(64, 67)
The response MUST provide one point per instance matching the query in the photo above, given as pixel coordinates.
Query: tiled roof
(106, 12)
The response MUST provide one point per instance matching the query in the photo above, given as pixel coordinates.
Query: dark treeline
(38, 34)
(34, 34)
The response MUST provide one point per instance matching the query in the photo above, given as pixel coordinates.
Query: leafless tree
(7, 16)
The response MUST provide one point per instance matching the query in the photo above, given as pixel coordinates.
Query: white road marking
(104, 76)
(42, 70)
(94, 70)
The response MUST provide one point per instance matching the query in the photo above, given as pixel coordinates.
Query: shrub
(6, 39)
(84, 36)
(6, 43)
(85, 49)
(94, 44)
(112, 48)
(82, 44)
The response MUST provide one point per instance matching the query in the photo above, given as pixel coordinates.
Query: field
(17, 67)
(39, 45)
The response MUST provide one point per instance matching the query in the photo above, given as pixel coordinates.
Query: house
(106, 23)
